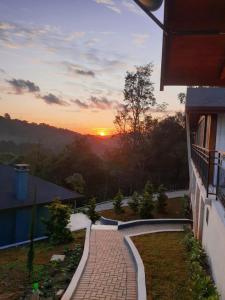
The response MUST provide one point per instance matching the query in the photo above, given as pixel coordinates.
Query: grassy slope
(164, 258)
(13, 274)
(174, 209)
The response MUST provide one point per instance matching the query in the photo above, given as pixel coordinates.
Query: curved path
(109, 204)
(110, 273)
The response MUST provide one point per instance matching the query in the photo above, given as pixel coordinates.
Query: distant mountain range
(23, 132)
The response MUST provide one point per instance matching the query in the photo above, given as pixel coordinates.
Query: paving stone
(109, 271)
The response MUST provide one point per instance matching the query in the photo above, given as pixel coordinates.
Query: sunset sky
(63, 62)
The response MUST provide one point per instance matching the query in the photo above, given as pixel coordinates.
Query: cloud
(109, 4)
(80, 104)
(115, 9)
(17, 35)
(85, 73)
(2, 71)
(5, 26)
(52, 99)
(132, 7)
(75, 69)
(75, 35)
(140, 39)
(100, 103)
(95, 103)
(21, 86)
(105, 62)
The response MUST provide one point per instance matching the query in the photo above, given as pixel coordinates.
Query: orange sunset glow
(103, 132)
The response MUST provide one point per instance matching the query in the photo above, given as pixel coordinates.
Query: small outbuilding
(18, 191)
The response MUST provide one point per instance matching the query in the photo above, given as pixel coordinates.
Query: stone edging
(106, 221)
(139, 266)
(23, 243)
(79, 271)
(141, 285)
(135, 223)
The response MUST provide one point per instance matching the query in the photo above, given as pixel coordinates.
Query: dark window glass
(207, 216)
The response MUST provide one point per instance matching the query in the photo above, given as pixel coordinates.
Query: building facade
(205, 119)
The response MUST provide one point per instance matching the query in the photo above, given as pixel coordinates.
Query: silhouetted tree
(138, 99)
(91, 211)
(134, 202)
(149, 188)
(146, 206)
(161, 199)
(117, 203)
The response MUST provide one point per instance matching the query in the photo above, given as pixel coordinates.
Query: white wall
(214, 243)
(220, 136)
(213, 233)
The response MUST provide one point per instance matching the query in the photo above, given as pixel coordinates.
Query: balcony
(211, 168)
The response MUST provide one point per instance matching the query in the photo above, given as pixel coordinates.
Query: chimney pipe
(22, 172)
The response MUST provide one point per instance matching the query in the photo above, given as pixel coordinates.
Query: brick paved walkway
(109, 273)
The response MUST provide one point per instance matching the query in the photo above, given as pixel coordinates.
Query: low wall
(79, 271)
(105, 221)
(152, 222)
(140, 269)
(23, 243)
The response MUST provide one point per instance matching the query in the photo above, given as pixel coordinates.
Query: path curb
(139, 266)
(153, 221)
(79, 271)
(106, 221)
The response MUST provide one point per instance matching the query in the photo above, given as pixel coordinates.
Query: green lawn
(166, 268)
(174, 209)
(13, 273)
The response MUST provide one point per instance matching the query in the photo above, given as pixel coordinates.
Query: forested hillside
(22, 132)
(17, 136)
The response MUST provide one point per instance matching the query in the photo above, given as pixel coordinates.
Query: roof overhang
(205, 100)
(194, 43)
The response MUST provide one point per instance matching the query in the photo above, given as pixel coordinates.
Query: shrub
(202, 284)
(146, 206)
(161, 199)
(56, 224)
(149, 188)
(117, 203)
(186, 207)
(134, 202)
(91, 211)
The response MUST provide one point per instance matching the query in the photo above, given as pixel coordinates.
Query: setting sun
(102, 133)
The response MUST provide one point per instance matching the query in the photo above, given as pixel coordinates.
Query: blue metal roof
(46, 191)
(205, 98)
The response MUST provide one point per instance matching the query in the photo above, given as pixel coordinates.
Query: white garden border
(79, 271)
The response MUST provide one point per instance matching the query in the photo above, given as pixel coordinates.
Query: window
(207, 216)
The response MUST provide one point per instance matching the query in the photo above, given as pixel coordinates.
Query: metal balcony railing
(211, 168)
(221, 178)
